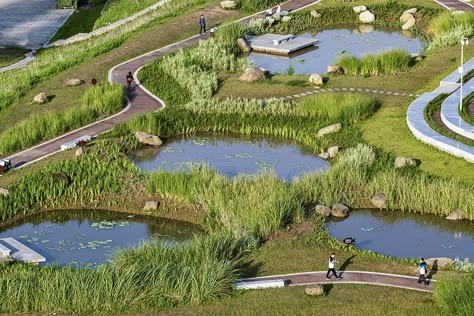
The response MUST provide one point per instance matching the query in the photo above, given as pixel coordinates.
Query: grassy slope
(81, 21)
(10, 55)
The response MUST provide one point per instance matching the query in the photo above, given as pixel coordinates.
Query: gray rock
(73, 82)
(148, 139)
(276, 16)
(411, 11)
(80, 151)
(324, 156)
(359, 8)
(314, 290)
(367, 17)
(322, 210)
(244, 46)
(269, 21)
(409, 23)
(405, 17)
(40, 98)
(379, 200)
(333, 151)
(332, 69)
(286, 18)
(329, 129)
(404, 161)
(455, 215)
(340, 210)
(441, 262)
(252, 74)
(315, 14)
(228, 4)
(316, 79)
(4, 192)
(150, 205)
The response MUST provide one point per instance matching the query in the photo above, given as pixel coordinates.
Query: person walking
(202, 24)
(129, 79)
(422, 267)
(332, 261)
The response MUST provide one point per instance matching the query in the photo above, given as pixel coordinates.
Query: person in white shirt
(331, 269)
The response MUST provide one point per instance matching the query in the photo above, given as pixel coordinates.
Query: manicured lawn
(10, 55)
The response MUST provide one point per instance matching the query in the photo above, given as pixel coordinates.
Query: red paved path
(456, 5)
(353, 277)
(140, 101)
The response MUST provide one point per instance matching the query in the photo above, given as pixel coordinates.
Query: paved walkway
(456, 5)
(140, 99)
(318, 90)
(20, 64)
(422, 130)
(349, 277)
(29, 24)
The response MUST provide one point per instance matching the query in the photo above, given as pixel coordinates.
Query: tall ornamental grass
(447, 28)
(228, 34)
(391, 62)
(454, 294)
(98, 101)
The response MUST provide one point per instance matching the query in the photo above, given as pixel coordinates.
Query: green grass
(10, 55)
(447, 29)
(454, 295)
(81, 21)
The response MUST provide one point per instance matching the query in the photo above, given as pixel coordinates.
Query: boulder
(276, 16)
(359, 9)
(269, 21)
(455, 215)
(150, 205)
(314, 290)
(252, 74)
(409, 23)
(324, 156)
(379, 200)
(148, 139)
(286, 18)
(73, 82)
(4, 192)
(329, 129)
(340, 210)
(315, 14)
(61, 176)
(41, 98)
(404, 161)
(333, 151)
(316, 79)
(332, 69)
(417, 57)
(367, 17)
(441, 262)
(405, 17)
(244, 46)
(80, 151)
(322, 210)
(228, 4)
(411, 11)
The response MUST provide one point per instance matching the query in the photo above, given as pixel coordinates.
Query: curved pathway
(140, 99)
(348, 277)
(318, 90)
(456, 5)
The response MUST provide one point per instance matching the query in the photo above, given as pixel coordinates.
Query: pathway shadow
(433, 271)
(346, 263)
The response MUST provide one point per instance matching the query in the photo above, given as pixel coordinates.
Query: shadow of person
(433, 271)
(346, 263)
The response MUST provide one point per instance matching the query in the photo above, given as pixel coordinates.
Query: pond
(231, 155)
(401, 234)
(87, 237)
(356, 40)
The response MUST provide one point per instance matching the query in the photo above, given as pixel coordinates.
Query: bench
(73, 143)
(281, 39)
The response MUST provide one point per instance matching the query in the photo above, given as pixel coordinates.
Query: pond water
(356, 40)
(401, 234)
(90, 237)
(231, 155)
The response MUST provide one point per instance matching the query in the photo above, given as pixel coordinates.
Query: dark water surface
(231, 155)
(356, 40)
(90, 237)
(401, 234)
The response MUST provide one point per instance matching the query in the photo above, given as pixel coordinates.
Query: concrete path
(29, 24)
(20, 64)
(456, 5)
(140, 99)
(318, 90)
(422, 130)
(349, 277)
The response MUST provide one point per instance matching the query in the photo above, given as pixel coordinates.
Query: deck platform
(20, 252)
(279, 44)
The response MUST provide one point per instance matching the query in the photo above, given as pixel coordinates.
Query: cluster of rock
(229, 5)
(330, 153)
(408, 19)
(365, 16)
(337, 210)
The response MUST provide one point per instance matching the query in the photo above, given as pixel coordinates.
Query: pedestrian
(202, 24)
(422, 267)
(332, 261)
(129, 80)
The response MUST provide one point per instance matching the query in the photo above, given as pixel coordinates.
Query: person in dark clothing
(423, 268)
(331, 269)
(202, 24)
(129, 80)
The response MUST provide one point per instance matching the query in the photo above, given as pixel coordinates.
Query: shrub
(447, 28)
(454, 295)
(105, 98)
(228, 34)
